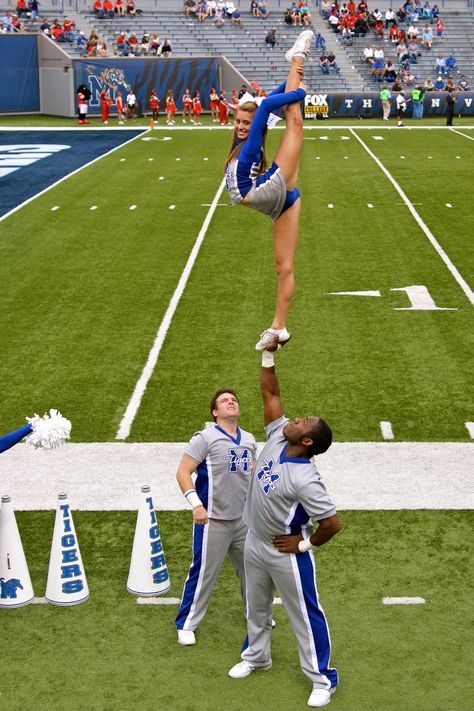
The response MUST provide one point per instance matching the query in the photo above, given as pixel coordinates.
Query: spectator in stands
(98, 10)
(346, 36)
(305, 15)
(323, 63)
(287, 17)
(320, 42)
(219, 20)
(450, 84)
(45, 26)
(412, 31)
(92, 44)
(362, 7)
(190, 8)
(270, 38)
(426, 11)
(211, 8)
(236, 19)
(427, 37)
(108, 9)
(397, 85)
(118, 8)
(68, 29)
(21, 8)
(132, 43)
(361, 26)
(463, 84)
(412, 51)
(254, 8)
(263, 10)
(34, 8)
(378, 69)
(390, 18)
(402, 52)
(368, 54)
(333, 65)
(393, 34)
(378, 29)
(121, 44)
(18, 25)
(440, 64)
(439, 29)
(333, 22)
(451, 64)
(81, 41)
(439, 84)
(378, 52)
(376, 16)
(390, 72)
(434, 14)
(201, 13)
(401, 15)
(57, 33)
(429, 86)
(7, 22)
(155, 44)
(166, 48)
(131, 8)
(145, 44)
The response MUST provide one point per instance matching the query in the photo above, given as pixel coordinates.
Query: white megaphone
(16, 589)
(67, 584)
(148, 573)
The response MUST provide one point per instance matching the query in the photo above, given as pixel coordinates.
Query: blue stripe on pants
(193, 577)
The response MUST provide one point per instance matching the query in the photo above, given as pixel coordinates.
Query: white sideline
(66, 177)
(358, 475)
(454, 271)
(134, 402)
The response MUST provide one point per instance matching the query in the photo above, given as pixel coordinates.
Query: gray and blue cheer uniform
(223, 466)
(285, 493)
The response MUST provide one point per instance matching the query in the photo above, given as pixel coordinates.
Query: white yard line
(134, 403)
(461, 134)
(66, 177)
(403, 600)
(434, 242)
(108, 476)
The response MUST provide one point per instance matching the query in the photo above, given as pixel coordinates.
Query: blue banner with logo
(143, 75)
(319, 105)
(19, 75)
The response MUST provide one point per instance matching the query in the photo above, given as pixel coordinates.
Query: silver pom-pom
(49, 431)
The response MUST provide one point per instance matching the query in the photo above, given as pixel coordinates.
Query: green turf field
(84, 292)
(110, 654)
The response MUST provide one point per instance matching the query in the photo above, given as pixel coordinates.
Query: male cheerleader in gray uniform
(285, 493)
(223, 456)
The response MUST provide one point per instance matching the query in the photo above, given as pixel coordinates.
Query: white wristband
(267, 359)
(305, 545)
(192, 498)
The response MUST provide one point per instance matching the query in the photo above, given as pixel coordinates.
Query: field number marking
(418, 295)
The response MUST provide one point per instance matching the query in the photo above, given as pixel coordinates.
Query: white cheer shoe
(320, 697)
(268, 336)
(244, 668)
(302, 46)
(186, 638)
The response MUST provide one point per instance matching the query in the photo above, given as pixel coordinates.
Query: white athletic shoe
(186, 638)
(302, 46)
(320, 697)
(274, 624)
(244, 668)
(268, 336)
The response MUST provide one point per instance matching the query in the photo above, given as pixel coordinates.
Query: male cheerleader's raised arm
(269, 386)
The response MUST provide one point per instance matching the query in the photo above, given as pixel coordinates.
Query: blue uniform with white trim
(223, 467)
(9, 440)
(285, 493)
(268, 190)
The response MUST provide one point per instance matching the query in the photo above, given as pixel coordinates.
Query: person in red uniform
(170, 107)
(197, 108)
(154, 105)
(214, 104)
(120, 108)
(104, 106)
(187, 106)
(223, 109)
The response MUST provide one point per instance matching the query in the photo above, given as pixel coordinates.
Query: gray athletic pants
(211, 544)
(293, 575)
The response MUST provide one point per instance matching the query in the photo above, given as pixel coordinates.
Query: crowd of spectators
(217, 11)
(413, 28)
(106, 9)
(298, 14)
(150, 45)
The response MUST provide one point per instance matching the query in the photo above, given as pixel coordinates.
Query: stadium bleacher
(246, 49)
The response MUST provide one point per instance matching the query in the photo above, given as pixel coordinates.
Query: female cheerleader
(187, 106)
(170, 107)
(154, 106)
(214, 104)
(197, 108)
(273, 191)
(120, 108)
